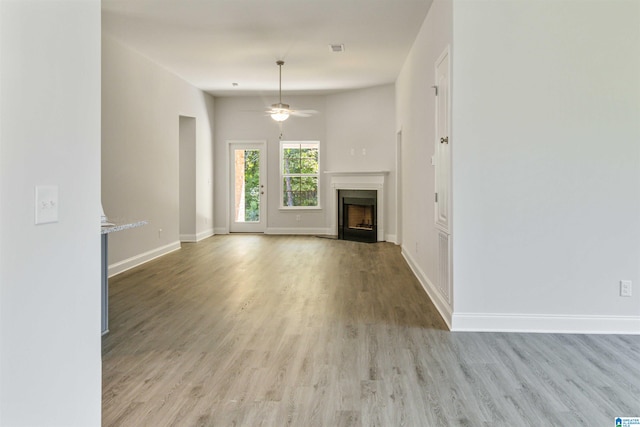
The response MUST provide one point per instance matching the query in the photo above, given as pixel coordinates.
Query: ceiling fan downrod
(280, 64)
(281, 111)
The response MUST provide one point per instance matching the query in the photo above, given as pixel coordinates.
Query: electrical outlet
(159, 233)
(625, 288)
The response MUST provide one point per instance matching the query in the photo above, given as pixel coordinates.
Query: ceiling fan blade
(303, 113)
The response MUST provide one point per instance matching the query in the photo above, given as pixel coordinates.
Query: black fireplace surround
(357, 215)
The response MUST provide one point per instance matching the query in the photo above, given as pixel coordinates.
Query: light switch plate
(46, 208)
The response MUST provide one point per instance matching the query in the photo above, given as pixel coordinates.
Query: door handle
(444, 140)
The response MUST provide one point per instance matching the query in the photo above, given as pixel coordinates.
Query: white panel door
(443, 144)
(247, 192)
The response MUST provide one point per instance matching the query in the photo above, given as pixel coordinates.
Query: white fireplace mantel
(359, 180)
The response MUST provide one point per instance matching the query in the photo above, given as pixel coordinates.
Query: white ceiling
(215, 43)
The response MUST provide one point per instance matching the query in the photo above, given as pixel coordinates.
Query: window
(300, 174)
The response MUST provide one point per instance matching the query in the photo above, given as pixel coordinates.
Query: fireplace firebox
(357, 215)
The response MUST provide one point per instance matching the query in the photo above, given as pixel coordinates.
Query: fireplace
(357, 215)
(373, 184)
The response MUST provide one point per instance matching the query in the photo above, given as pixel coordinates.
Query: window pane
(247, 185)
(309, 166)
(291, 161)
(309, 160)
(311, 153)
(308, 191)
(300, 191)
(291, 187)
(300, 158)
(252, 186)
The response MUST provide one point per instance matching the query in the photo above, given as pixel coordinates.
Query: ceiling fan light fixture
(280, 116)
(281, 111)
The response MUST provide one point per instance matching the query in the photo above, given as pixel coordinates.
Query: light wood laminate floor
(250, 330)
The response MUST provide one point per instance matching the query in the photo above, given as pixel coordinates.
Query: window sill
(299, 208)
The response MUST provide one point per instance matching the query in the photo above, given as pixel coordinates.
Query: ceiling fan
(281, 112)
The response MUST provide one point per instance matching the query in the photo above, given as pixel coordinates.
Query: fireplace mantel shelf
(356, 173)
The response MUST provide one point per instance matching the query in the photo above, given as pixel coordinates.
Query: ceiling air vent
(336, 48)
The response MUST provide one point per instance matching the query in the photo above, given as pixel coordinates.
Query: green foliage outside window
(300, 173)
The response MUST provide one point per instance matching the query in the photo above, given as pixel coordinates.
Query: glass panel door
(248, 189)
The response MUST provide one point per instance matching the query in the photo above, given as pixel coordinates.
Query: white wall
(415, 117)
(243, 119)
(364, 120)
(546, 165)
(50, 347)
(361, 119)
(187, 178)
(141, 106)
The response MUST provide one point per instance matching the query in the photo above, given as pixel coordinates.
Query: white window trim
(317, 175)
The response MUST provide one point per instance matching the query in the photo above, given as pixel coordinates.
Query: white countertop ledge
(121, 225)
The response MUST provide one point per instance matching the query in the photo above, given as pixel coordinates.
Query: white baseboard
(220, 230)
(391, 238)
(194, 238)
(442, 306)
(546, 323)
(188, 238)
(204, 234)
(137, 260)
(296, 230)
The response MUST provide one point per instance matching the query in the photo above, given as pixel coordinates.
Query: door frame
(399, 198)
(262, 145)
(187, 178)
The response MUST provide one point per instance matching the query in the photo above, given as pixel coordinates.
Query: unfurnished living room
(320, 213)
